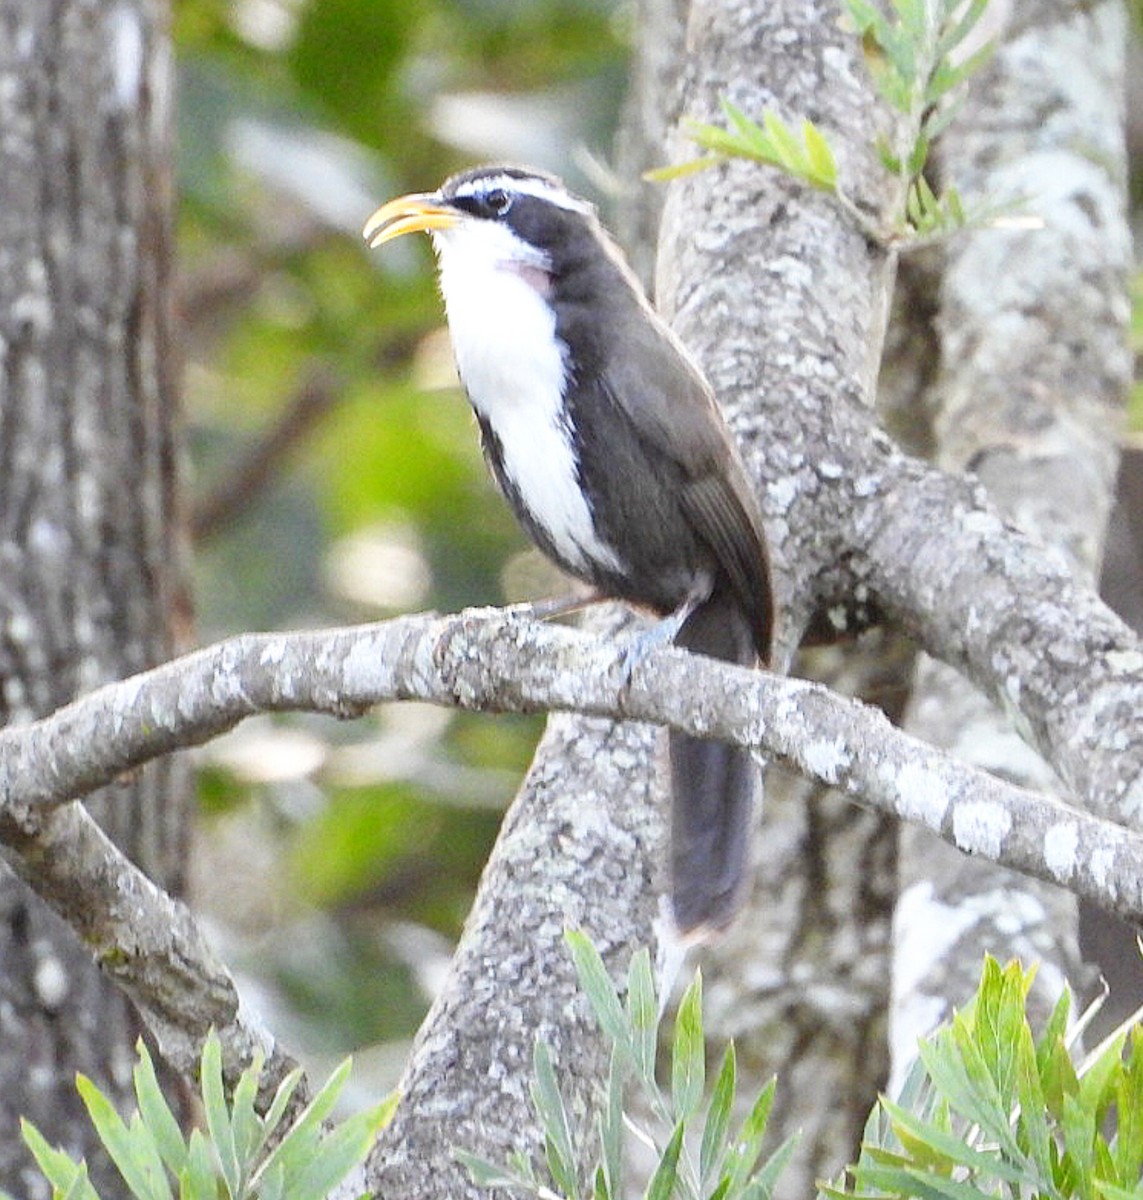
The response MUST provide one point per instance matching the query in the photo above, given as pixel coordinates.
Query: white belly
(503, 336)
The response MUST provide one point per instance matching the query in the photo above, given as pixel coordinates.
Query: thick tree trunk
(750, 266)
(1028, 394)
(90, 581)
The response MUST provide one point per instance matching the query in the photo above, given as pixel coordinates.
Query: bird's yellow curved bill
(407, 214)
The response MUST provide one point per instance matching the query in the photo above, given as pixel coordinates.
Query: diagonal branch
(144, 939)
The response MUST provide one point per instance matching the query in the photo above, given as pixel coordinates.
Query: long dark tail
(713, 786)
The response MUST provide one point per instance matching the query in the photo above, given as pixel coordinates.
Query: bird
(610, 448)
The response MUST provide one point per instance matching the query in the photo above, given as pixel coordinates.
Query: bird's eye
(498, 201)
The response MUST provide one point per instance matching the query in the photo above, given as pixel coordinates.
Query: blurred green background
(335, 471)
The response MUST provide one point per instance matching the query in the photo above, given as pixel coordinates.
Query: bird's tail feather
(713, 787)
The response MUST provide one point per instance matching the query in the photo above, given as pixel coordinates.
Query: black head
(531, 207)
(536, 207)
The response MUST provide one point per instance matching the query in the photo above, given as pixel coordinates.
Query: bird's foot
(553, 606)
(662, 633)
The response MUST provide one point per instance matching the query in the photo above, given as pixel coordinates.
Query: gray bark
(580, 848)
(90, 585)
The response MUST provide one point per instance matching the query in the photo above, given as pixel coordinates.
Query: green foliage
(698, 1155)
(809, 158)
(913, 60)
(243, 1156)
(989, 1110)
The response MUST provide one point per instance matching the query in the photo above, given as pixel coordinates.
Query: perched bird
(608, 444)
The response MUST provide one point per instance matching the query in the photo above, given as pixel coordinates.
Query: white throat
(514, 369)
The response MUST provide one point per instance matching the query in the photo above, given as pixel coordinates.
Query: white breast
(513, 368)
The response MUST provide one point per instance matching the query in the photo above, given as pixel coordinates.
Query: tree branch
(140, 936)
(497, 660)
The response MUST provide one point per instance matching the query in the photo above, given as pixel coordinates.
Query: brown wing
(676, 413)
(732, 530)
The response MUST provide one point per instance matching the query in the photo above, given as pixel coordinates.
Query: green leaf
(820, 156)
(245, 1123)
(131, 1148)
(938, 118)
(217, 1114)
(907, 1181)
(772, 142)
(713, 1145)
(599, 989)
(519, 1162)
(688, 1056)
(721, 141)
(599, 1190)
(642, 1015)
(1078, 1125)
(281, 1100)
(611, 1128)
(554, 1120)
(913, 210)
(272, 1185)
(900, 51)
(994, 1114)
(294, 1150)
(1098, 1083)
(1103, 1166)
(1058, 1076)
(947, 77)
(747, 1145)
(749, 132)
(1109, 1191)
(960, 1075)
(913, 16)
(1054, 1032)
(64, 1174)
(485, 1174)
(836, 1192)
(384, 1112)
(918, 156)
(929, 206)
(1033, 1109)
(157, 1113)
(930, 1147)
(662, 1183)
(197, 1179)
(867, 17)
(947, 1072)
(1007, 1014)
(955, 207)
(889, 160)
(339, 1152)
(783, 140)
(681, 170)
(958, 30)
(1128, 1147)
(761, 1186)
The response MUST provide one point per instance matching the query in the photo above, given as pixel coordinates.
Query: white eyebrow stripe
(528, 186)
